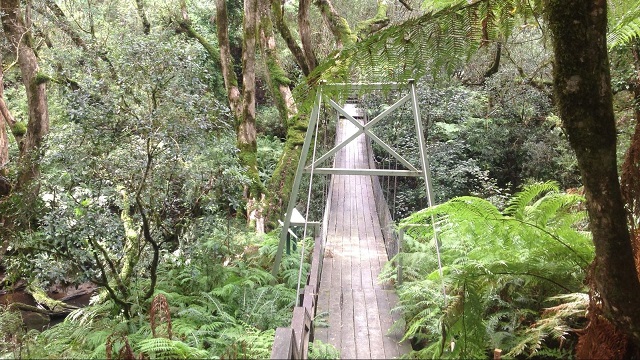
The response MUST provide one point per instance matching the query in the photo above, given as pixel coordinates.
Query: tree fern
(518, 204)
(163, 348)
(321, 350)
(499, 268)
(625, 25)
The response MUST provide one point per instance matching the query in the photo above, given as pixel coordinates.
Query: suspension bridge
(352, 242)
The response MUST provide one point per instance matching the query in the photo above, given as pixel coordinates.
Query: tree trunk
(226, 61)
(583, 96)
(6, 119)
(277, 9)
(246, 124)
(279, 188)
(305, 34)
(337, 24)
(630, 177)
(146, 26)
(276, 76)
(35, 85)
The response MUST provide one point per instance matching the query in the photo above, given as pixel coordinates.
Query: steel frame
(313, 168)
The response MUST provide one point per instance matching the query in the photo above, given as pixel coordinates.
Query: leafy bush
(214, 299)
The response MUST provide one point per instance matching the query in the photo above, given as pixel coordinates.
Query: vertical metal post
(424, 161)
(293, 199)
(400, 240)
(426, 172)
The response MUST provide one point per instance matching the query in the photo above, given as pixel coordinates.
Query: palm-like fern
(446, 35)
(441, 39)
(625, 23)
(499, 269)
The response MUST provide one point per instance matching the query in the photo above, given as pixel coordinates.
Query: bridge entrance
(342, 288)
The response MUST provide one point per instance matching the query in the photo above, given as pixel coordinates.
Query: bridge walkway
(357, 307)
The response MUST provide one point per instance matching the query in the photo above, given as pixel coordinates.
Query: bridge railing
(292, 342)
(387, 224)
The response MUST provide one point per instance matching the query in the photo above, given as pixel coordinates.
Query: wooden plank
(310, 299)
(347, 331)
(354, 239)
(376, 336)
(388, 341)
(316, 263)
(301, 324)
(322, 311)
(335, 318)
(369, 278)
(361, 328)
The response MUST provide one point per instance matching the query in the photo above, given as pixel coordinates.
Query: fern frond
(163, 348)
(517, 204)
(627, 28)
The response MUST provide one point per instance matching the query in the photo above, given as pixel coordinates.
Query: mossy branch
(376, 23)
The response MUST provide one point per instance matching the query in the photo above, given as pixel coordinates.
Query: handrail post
(398, 256)
(293, 198)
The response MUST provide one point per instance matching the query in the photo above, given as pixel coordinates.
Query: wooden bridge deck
(358, 307)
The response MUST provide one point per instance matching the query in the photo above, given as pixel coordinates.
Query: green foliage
(162, 348)
(321, 350)
(499, 269)
(269, 153)
(625, 23)
(483, 142)
(218, 299)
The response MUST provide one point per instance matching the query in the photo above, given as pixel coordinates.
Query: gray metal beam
(368, 86)
(361, 128)
(427, 177)
(370, 172)
(421, 143)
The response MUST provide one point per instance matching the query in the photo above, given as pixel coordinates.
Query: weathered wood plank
(347, 331)
(376, 336)
(360, 325)
(335, 318)
(284, 344)
(389, 342)
(322, 312)
(359, 311)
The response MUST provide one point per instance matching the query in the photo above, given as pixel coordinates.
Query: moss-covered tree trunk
(226, 61)
(304, 27)
(376, 23)
(277, 78)
(277, 9)
(583, 95)
(246, 124)
(35, 86)
(279, 187)
(337, 24)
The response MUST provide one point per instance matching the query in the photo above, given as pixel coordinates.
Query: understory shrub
(511, 279)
